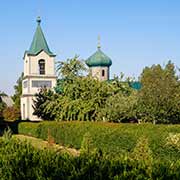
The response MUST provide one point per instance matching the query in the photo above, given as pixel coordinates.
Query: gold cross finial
(99, 42)
(38, 11)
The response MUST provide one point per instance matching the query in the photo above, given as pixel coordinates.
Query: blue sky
(133, 33)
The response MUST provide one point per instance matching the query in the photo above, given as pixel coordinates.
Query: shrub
(143, 155)
(11, 114)
(87, 145)
(21, 161)
(113, 139)
(7, 135)
(173, 140)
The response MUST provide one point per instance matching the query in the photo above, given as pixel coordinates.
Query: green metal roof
(135, 85)
(39, 42)
(99, 59)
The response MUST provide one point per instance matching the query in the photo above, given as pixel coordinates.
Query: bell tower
(39, 72)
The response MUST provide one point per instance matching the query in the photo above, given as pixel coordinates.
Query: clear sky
(134, 33)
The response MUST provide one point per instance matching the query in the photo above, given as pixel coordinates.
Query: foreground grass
(114, 139)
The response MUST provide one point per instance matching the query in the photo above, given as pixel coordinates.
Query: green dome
(98, 59)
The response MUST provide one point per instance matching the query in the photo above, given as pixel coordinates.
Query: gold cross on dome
(99, 42)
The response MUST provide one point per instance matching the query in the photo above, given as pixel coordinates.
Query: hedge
(21, 161)
(114, 139)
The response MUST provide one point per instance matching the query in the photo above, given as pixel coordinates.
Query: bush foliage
(113, 139)
(11, 113)
(21, 161)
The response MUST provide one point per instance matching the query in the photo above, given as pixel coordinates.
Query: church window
(42, 66)
(103, 73)
(41, 84)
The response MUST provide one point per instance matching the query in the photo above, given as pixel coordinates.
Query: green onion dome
(98, 59)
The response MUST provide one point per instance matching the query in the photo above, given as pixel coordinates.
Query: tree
(120, 108)
(42, 99)
(84, 98)
(81, 99)
(159, 97)
(18, 92)
(71, 68)
(47, 103)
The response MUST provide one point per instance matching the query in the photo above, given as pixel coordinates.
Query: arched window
(41, 66)
(103, 73)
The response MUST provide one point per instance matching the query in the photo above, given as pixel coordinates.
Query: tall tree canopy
(83, 98)
(70, 68)
(78, 97)
(159, 97)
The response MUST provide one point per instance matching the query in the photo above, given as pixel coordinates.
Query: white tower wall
(33, 81)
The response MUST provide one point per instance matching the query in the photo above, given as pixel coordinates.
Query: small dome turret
(98, 59)
(99, 64)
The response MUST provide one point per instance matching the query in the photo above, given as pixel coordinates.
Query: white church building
(39, 70)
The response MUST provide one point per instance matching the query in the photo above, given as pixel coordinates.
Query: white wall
(31, 73)
(31, 66)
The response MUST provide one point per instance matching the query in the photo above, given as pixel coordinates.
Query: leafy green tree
(159, 97)
(71, 68)
(83, 98)
(18, 92)
(86, 99)
(42, 99)
(120, 108)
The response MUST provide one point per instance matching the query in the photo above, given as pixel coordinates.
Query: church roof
(98, 59)
(39, 42)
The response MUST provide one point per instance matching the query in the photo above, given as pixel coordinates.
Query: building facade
(39, 72)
